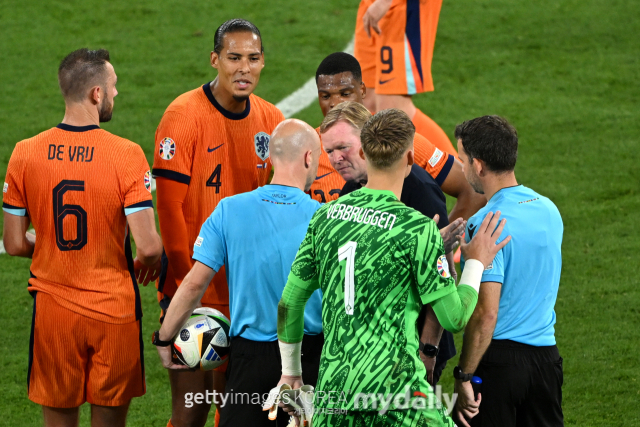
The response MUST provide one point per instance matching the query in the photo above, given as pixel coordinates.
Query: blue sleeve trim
(444, 173)
(129, 211)
(207, 261)
(14, 210)
(172, 175)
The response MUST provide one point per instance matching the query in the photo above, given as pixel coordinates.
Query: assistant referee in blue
(256, 236)
(509, 341)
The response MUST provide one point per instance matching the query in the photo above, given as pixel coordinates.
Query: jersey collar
(228, 114)
(378, 192)
(70, 128)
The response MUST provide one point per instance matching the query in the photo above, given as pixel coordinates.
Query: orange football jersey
(329, 182)
(77, 184)
(217, 154)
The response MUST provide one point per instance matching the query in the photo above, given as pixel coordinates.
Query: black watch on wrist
(429, 350)
(155, 340)
(462, 376)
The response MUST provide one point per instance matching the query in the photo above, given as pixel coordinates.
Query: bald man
(256, 236)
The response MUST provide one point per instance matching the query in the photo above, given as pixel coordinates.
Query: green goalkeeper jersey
(377, 262)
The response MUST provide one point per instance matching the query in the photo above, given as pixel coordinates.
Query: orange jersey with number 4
(217, 154)
(76, 185)
(329, 182)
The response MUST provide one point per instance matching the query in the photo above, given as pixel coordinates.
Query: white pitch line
(290, 106)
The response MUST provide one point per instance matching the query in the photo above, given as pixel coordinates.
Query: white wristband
(291, 354)
(472, 274)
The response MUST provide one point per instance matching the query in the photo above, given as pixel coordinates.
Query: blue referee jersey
(528, 267)
(256, 236)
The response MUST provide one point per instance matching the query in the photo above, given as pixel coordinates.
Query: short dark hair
(235, 25)
(386, 136)
(339, 62)
(81, 70)
(491, 139)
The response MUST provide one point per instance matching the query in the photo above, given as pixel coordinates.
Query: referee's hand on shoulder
(483, 245)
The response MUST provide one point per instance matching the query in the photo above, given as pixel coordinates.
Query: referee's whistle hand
(483, 245)
(466, 405)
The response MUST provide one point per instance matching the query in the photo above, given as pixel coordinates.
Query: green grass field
(564, 72)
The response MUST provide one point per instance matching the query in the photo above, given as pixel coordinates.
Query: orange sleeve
(137, 182)
(170, 198)
(436, 162)
(14, 200)
(176, 139)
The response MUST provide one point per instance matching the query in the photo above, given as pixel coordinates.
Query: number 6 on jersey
(348, 252)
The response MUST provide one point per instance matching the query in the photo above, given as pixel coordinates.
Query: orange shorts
(75, 359)
(165, 300)
(398, 61)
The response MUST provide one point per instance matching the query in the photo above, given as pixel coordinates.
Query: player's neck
(287, 176)
(496, 182)
(79, 114)
(389, 180)
(225, 99)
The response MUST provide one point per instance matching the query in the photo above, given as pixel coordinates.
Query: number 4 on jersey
(348, 252)
(214, 179)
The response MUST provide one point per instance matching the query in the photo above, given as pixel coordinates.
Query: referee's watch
(462, 376)
(155, 340)
(429, 350)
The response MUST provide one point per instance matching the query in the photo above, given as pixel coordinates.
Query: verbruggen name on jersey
(361, 215)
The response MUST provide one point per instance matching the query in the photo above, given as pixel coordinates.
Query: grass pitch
(564, 72)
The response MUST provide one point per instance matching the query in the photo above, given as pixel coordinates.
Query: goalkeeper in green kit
(377, 262)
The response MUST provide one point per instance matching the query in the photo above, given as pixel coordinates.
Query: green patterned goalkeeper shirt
(377, 262)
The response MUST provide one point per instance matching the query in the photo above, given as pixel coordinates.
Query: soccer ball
(203, 340)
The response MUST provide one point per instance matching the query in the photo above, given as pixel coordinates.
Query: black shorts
(521, 386)
(254, 369)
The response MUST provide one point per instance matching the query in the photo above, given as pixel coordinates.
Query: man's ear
(363, 90)
(96, 95)
(479, 166)
(410, 158)
(214, 59)
(361, 152)
(308, 159)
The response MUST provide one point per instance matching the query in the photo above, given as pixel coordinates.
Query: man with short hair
(339, 79)
(377, 262)
(212, 142)
(85, 191)
(256, 235)
(341, 129)
(509, 341)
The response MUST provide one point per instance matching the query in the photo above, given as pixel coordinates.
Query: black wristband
(462, 376)
(429, 350)
(155, 340)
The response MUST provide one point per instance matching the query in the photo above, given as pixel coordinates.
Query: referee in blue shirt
(509, 341)
(256, 236)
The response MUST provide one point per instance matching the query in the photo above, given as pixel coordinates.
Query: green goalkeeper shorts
(406, 418)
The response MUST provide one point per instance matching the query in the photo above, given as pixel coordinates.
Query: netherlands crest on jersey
(147, 181)
(443, 267)
(261, 141)
(167, 148)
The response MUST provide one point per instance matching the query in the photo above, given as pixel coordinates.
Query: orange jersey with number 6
(76, 185)
(217, 154)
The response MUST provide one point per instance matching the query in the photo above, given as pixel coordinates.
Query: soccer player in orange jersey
(212, 142)
(85, 191)
(394, 43)
(339, 79)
